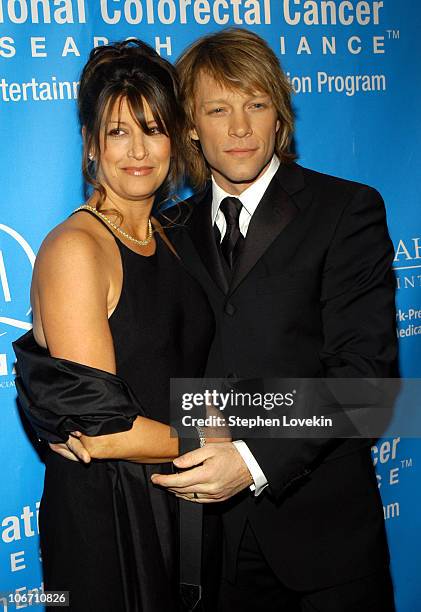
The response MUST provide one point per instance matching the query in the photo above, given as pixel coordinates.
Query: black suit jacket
(312, 295)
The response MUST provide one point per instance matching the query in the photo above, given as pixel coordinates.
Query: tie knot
(231, 207)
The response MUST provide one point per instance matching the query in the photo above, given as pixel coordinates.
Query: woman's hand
(73, 449)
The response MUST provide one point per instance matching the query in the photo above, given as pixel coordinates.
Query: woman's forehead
(123, 110)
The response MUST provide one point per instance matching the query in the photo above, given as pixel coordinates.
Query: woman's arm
(71, 294)
(159, 442)
(147, 442)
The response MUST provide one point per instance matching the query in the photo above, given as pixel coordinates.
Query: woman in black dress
(115, 316)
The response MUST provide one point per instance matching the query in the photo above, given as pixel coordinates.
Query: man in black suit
(297, 267)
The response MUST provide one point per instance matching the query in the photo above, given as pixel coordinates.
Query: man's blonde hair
(237, 59)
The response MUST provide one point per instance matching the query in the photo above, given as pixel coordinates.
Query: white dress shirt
(250, 199)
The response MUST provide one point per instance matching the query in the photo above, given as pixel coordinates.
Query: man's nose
(239, 125)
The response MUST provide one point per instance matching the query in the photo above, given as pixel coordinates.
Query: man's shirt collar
(251, 196)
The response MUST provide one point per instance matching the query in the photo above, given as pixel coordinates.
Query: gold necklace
(117, 228)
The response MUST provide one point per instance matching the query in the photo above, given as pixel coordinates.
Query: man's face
(236, 130)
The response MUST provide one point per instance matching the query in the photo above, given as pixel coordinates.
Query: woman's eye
(217, 111)
(154, 130)
(116, 132)
(258, 105)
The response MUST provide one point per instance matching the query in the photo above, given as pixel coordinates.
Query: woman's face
(132, 164)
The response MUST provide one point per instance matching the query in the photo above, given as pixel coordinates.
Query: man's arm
(358, 322)
(357, 298)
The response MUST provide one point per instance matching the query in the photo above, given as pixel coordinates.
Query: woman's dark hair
(133, 71)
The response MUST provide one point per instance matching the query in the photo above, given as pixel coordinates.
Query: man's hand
(213, 473)
(73, 449)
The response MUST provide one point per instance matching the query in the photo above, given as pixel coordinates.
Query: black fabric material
(257, 589)
(54, 413)
(312, 295)
(231, 208)
(107, 534)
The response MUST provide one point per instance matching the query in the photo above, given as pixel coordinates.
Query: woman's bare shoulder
(80, 239)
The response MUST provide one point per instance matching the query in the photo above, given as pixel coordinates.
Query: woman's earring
(91, 156)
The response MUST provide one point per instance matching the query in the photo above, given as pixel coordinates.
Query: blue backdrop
(355, 68)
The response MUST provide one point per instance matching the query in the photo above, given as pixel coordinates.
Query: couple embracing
(269, 270)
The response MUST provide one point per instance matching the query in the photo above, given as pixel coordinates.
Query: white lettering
(363, 13)
(162, 6)
(116, 16)
(331, 45)
(23, 11)
(394, 476)
(11, 532)
(343, 18)
(26, 518)
(136, 17)
(402, 250)
(7, 48)
(100, 40)
(287, 13)
(3, 365)
(70, 47)
(303, 46)
(385, 452)
(220, 19)
(351, 48)
(3, 279)
(202, 12)
(17, 562)
(252, 15)
(159, 45)
(183, 10)
(329, 12)
(65, 13)
(38, 46)
(378, 44)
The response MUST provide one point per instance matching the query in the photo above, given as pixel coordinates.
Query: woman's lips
(138, 171)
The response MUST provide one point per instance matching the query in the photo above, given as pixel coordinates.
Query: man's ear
(193, 134)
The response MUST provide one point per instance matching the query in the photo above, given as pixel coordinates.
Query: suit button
(230, 309)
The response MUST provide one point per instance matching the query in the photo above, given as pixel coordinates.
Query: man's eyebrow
(252, 96)
(214, 101)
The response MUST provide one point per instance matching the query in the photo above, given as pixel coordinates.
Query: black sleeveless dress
(107, 534)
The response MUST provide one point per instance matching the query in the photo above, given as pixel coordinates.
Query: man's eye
(258, 105)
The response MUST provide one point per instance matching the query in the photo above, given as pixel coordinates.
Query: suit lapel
(203, 237)
(274, 212)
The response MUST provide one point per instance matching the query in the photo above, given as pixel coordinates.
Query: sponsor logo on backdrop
(391, 466)
(407, 267)
(345, 28)
(16, 264)
(407, 263)
(18, 532)
(321, 28)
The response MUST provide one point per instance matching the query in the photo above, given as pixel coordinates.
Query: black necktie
(231, 208)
